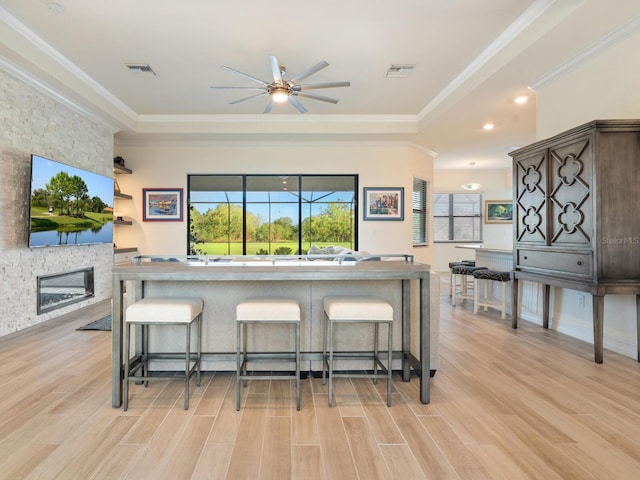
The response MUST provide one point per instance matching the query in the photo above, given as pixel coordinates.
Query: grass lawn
(42, 220)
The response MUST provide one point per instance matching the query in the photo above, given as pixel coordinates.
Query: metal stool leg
(238, 362)
(187, 363)
(390, 364)
(125, 387)
(330, 362)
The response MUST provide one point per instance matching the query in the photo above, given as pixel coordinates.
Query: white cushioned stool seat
(161, 311)
(358, 309)
(268, 309)
(260, 311)
(164, 310)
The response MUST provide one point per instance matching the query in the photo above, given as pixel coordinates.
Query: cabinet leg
(598, 317)
(638, 323)
(514, 303)
(545, 305)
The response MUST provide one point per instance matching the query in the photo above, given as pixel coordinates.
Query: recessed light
(488, 126)
(472, 163)
(521, 99)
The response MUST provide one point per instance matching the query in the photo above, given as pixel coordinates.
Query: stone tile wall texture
(34, 122)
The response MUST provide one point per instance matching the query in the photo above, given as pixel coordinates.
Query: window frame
(451, 216)
(246, 204)
(420, 212)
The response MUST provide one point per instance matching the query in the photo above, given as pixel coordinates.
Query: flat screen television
(69, 205)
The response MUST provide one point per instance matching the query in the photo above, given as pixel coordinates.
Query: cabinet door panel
(571, 219)
(530, 185)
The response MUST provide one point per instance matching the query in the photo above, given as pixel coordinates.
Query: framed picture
(162, 204)
(498, 211)
(383, 203)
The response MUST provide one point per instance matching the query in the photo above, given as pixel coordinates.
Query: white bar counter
(224, 282)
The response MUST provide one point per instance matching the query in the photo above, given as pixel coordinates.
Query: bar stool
(162, 311)
(483, 277)
(452, 285)
(262, 311)
(356, 310)
(466, 287)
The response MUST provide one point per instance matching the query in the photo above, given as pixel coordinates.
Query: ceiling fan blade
(238, 88)
(321, 85)
(315, 96)
(245, 75)
(275, 69)
(248, 98)
(270, 106)
(309, 71)
(294, 101)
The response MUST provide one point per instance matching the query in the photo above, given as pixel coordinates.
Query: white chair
(357, 310)
(157, 312)
(264, 311)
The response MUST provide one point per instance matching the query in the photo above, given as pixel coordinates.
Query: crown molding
(67, 66)
(35, 83)
(522, 23)
(293, 124)
(605, 43)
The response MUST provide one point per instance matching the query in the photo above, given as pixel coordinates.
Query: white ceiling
(472, 58)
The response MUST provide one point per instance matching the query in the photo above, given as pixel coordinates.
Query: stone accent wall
(33, 122)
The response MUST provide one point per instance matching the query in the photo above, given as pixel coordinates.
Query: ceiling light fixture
(521, 99)
(279, 94)
(488, 126)
(471, 186)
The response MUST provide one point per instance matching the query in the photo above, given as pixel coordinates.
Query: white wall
(166, 165)
(604, 86)
(496, 185)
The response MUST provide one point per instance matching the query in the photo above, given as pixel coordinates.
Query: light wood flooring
(506, 404)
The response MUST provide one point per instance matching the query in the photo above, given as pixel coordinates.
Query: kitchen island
(225, 281)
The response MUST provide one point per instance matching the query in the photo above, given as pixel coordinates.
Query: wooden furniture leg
(598, 322)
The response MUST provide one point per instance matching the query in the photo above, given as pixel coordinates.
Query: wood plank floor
(506, 404)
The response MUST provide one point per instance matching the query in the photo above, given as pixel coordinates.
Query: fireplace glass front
(62, 289)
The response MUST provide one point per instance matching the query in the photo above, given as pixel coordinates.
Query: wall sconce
(471, 186)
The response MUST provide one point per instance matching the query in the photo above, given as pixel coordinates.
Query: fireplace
(62, 289)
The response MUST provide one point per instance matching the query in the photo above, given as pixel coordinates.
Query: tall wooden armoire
(576, 203)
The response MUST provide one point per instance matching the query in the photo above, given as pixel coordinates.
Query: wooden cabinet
(576, 215)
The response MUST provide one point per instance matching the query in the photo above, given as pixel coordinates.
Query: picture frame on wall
(383, 203)
(162, 204)
(498, 211)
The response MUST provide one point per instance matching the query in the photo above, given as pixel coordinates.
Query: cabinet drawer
(565, 262)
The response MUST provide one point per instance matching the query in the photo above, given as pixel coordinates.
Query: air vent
(143, 69)
(399, 70)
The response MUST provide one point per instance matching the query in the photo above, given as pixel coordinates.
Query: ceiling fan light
(279, 95)
(471, 186)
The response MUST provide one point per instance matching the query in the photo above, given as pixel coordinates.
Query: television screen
(69, 205)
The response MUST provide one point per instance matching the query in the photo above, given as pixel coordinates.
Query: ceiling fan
(280, 89)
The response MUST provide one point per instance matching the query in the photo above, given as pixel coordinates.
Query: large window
(270, 214)
(457, 217)
(420, 212)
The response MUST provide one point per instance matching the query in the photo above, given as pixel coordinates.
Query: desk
(213, 274)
